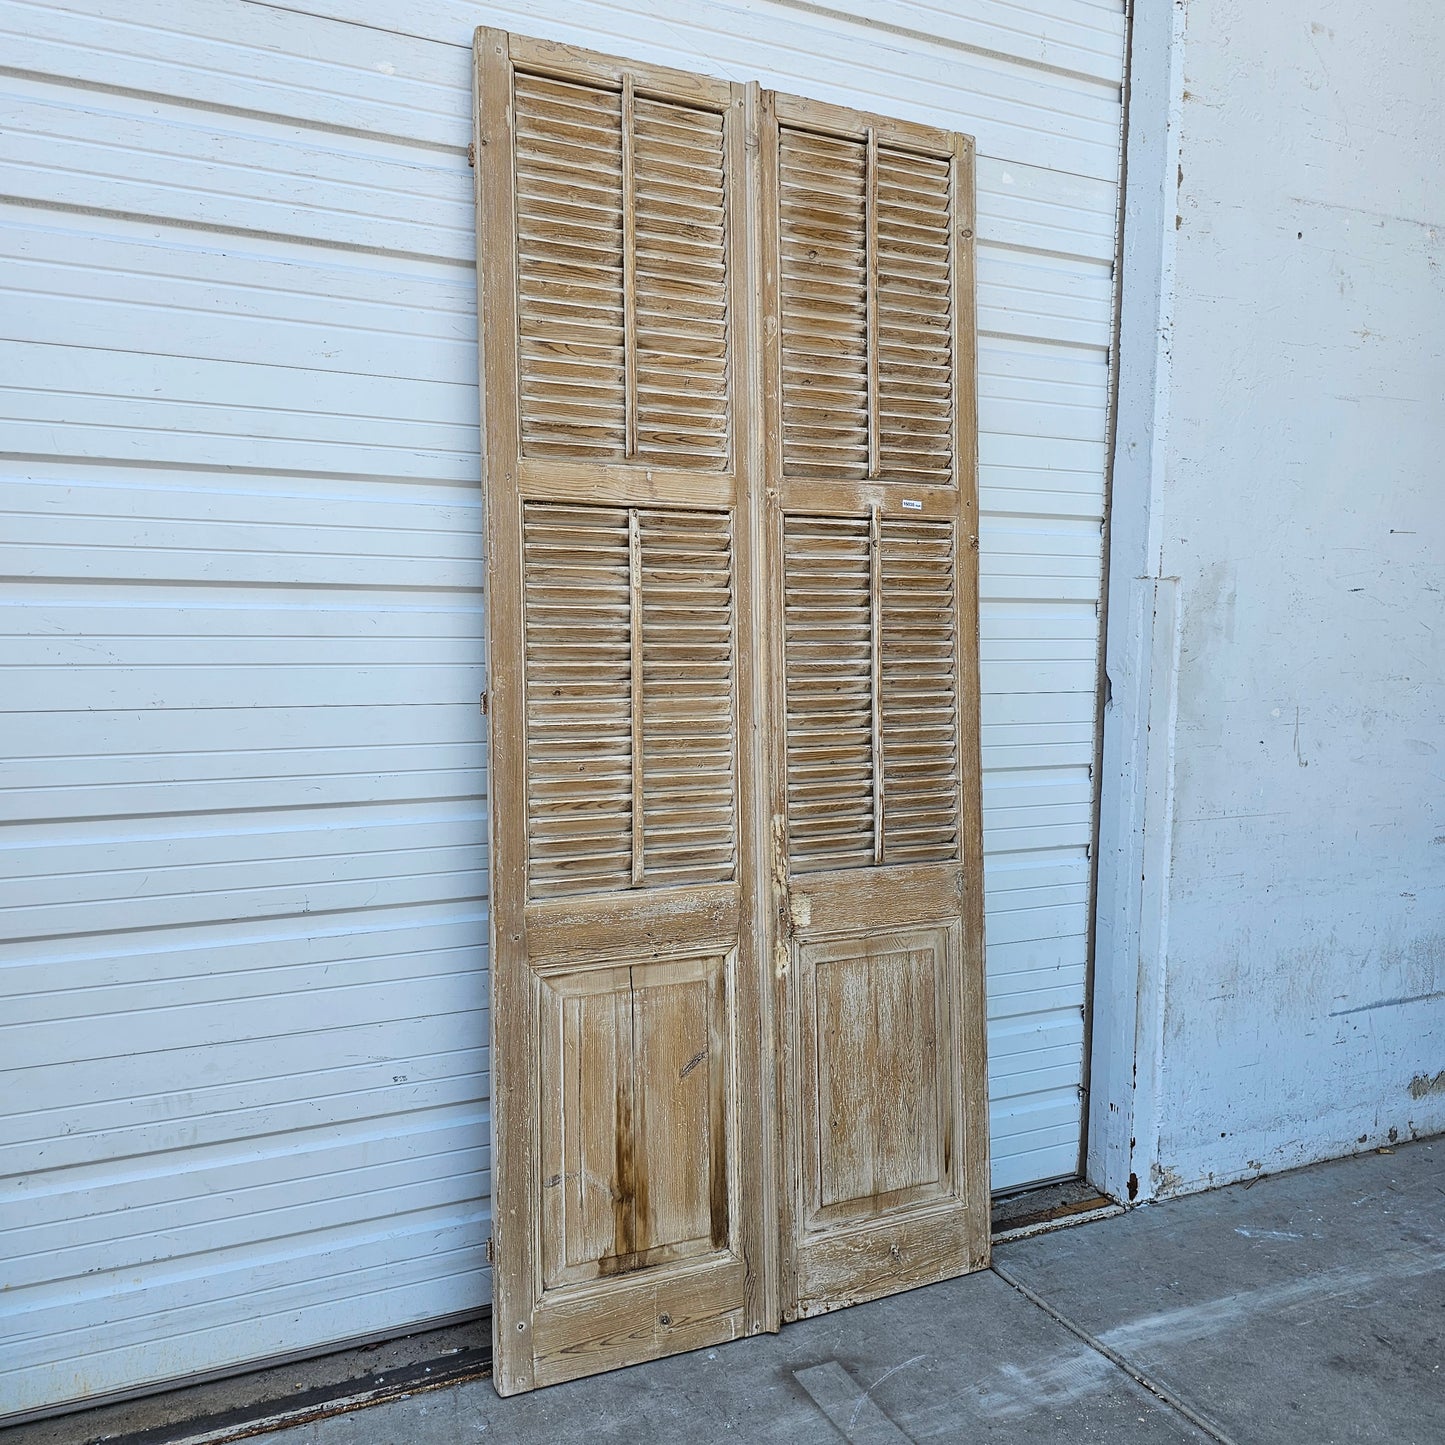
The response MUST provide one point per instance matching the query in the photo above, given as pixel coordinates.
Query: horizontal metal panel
(233, 173)
(1053, 119)
(1038, 1137)
(246, 1011)
(1044, 298)
(346, 1284)
(279, 64)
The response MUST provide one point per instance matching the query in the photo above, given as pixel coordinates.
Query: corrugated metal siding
(245, 1015)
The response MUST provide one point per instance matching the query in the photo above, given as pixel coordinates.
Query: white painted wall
(1272, 906)
(242, 997)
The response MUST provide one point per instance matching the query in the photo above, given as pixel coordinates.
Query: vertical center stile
(875, 619)
(629, 270)
(870, 288)
(634, 612)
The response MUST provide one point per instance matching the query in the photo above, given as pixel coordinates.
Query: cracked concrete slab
(1308, 1306)
(968, 1360)
(1304, 1309)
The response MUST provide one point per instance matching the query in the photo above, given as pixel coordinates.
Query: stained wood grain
(877, 933)
(730, 497)
(620, 466)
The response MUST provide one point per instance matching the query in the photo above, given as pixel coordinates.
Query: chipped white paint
(1281, 424)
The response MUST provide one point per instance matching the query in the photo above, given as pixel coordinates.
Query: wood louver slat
(629, 678)
(822, 187)
(680, 268)
(915, 318)
(621, 276)
(577, 620)
(686, 733)
(828, 685)
(866, 287)
(918, 701)
(871, 684)
(571, 333)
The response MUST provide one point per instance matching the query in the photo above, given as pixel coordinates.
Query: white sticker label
(911, 504)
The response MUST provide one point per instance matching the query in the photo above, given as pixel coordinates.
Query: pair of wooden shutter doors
(737, 928)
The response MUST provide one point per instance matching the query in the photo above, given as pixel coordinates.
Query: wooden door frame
(515, 1127)
(762, 1061)
(777, 110)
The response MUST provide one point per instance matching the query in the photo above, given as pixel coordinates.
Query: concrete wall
(1273, 865)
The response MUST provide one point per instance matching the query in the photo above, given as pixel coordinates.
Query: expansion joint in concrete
(1160, 1392)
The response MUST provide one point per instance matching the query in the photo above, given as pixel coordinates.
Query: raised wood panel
(877, 1054)
(634, 1117)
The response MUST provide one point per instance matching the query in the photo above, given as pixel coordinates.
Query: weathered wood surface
(628, 1036)
(873, 612)
(728, 396)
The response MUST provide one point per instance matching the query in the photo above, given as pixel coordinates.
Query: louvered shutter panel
(867, 286)
(621, 274)
(878, 835)
(627, 903)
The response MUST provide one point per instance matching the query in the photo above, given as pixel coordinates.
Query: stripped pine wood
(822, 189)
(917, 705)
(630, 698)
(686, 705)
(681, 395)
(628, 1046)
(828, 635)
(622, 275)
(877, 841)
(737, 935)
(866, 288)
(914, 293)
(580, 698)
(570, 272)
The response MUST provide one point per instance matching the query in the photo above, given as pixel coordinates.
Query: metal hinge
(491, 1250)
(482, 703)
(472, 154)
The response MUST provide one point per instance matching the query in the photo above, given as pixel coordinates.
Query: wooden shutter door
(870, 457)
(627, 891)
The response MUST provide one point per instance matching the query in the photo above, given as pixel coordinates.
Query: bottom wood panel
(638, 1197)
(887, 1195)
(665, 1312)
(634, 1117)
(876, 1047)
(848, 1266)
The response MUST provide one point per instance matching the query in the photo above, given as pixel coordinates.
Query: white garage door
(244, 1004)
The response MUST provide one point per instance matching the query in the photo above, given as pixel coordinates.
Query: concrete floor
(1305, 1308)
